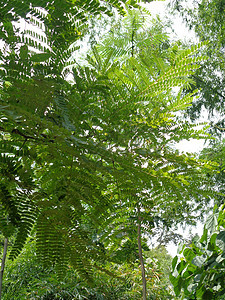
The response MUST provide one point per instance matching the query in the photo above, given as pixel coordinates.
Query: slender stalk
(144, 288)
(3, 264)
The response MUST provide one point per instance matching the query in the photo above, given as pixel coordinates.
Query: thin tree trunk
(141, 257)
(3, 264)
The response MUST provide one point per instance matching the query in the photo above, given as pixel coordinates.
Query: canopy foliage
(84, 162)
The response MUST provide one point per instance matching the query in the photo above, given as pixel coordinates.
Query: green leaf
(199, 293)
(174, 262)
(221, 236)
(211, 223)
(177, 284)
(212, 242)
(180, 248)
(23, 52)
(181, 266)
(220, 258)
(198, 261)
(40, 57)
(189, 254)
(220, 240)
(204, 236)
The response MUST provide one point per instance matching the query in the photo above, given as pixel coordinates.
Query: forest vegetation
(92, 185)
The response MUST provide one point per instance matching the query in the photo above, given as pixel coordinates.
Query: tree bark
(3, 264)
(144, 288)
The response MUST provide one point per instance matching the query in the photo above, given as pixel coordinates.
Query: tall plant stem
(3, 264)
(141, 257)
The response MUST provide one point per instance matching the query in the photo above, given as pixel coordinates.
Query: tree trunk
(3, 264)
(141, 257)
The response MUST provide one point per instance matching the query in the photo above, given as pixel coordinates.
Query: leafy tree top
(81, 159)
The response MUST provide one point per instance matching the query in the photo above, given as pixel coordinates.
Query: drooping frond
(28, 212)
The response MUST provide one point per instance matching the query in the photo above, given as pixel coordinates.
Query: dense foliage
(25, 278)
(87, 151)
(200, 269)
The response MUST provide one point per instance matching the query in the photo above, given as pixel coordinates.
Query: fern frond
(28, 215)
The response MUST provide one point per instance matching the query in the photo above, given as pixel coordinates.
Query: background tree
(215, 153)
(206, 19)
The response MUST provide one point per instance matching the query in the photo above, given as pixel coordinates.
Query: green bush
(26, 278)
